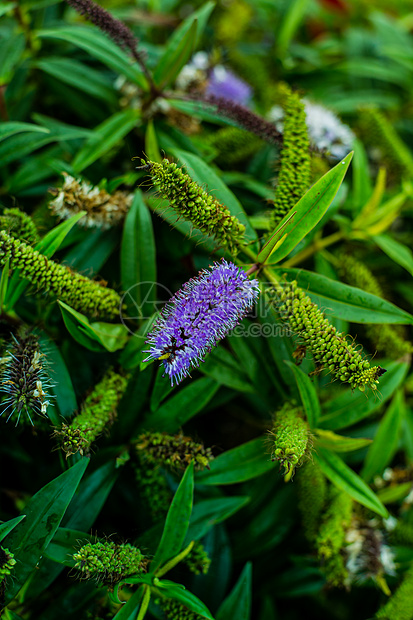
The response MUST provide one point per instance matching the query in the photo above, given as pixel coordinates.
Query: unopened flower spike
(290, 438)
(194, 204)
(200, 314)
(312, 494)
(20, 225)
(103, 210)
(109, 563)
(331, 536)
(172, 450)
(174, 610)
(79, 292)
(295, 172)
(385, 338)
(98, 414)
(7, 563)
(331, 349)
(24, 379)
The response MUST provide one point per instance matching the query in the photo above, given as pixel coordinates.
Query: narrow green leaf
(130, 609)
(95, 336)
(9, 525)
(346, 479)
(308, 394)
(151, 143)
(275, 241)
(44, 513)
(63, 387)
(52, 240)
(79, 75)
(220, 366)
(107, 135)
(238, 602)
(182, 407)
(242, 463)
(138, 261)
(207, 513)
(175, 57)
(351, 407)
(386, 440)
(295, 14)
(64, 544)
(177, 521)
(99, 46)
(11, 128)
(201, 15)
(311, 208)
(401, 254)
(339, 443)
(346, 302)
(187, 599)
(4, 282)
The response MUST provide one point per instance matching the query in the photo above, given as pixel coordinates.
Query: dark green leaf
(7, 527)
(107, 135)
(311, 208)
(339, 443)
(207, 513)
(247, 461)
(44, 513)
(177, 521)
(63, 387)
(175, 56)
(138, 261)
(346, 479)
(308, 394)
(11, 128)
(386, 440)
(351, 407)
(401, 254)
(346, 302)
(238, 602)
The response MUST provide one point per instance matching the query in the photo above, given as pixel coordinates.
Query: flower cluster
(20, 225)
(98, 413)
(312, 495)
(173, 610)
(330, 348)
(173, 450)
(77, 291)
(153, 487)
(380, 134)
(103, 210)
(294, 177)
(7, 562)
(200, 314)
(331, 536)
(194, 204)
(197, 560)
(290, 438)
(385, 338)
(109, 563)
(24, 379)
(325, 130)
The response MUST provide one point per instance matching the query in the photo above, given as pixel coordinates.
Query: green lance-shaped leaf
(9, 525)
(346, 479)
(177, 521)
(44, 513)
(386, 440)
(174, 58)
(238, 602)
(308, 394)
(311, 208)
(138, 260)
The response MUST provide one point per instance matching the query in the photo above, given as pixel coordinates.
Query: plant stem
(170, 565)
(145, 602)
(316, 246)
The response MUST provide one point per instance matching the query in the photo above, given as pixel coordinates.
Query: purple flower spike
(223, 83)
(203, 312)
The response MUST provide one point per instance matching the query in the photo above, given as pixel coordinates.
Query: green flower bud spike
(109, 563)
(295, 173)
(7, 563)
(172, 450)
(20, 225)
(400, 605)
(385, 338)
(77, 291)
(332, 534)
(194, 204)
(290, 438)
(152, 487)
(98, 414)
(197, 560)
(331, 349)
(176, 611)
(312, 495)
